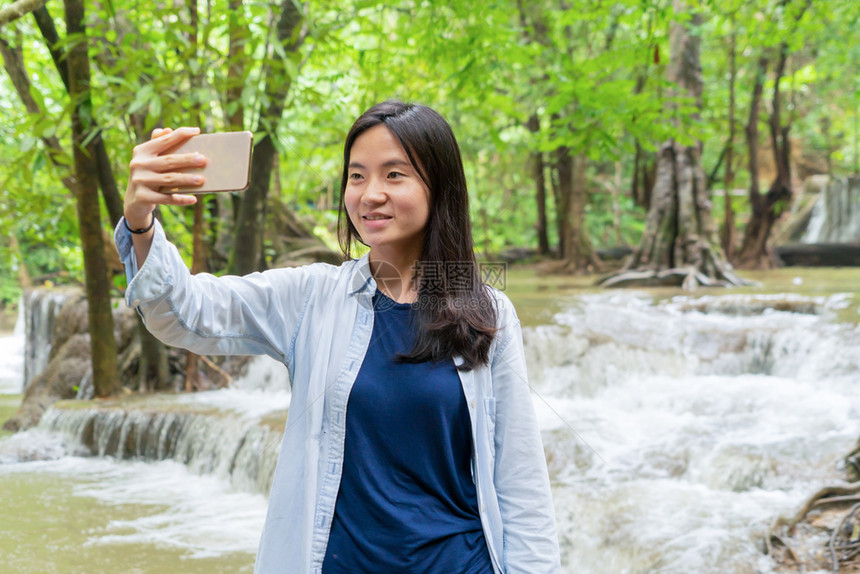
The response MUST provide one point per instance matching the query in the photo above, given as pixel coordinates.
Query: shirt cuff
(153, 279)
(125, 247)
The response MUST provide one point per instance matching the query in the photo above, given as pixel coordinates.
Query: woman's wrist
(139, 225)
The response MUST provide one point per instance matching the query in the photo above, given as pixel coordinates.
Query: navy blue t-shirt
(407, 503)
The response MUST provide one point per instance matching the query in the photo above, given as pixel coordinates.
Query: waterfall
(12, 357)
(240, 450)
(41, 307)
(836, 215)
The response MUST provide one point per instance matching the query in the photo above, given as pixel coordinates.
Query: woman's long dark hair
(454, 314)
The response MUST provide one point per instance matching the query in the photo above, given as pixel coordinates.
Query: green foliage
(593, 73)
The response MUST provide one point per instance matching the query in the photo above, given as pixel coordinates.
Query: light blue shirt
(318, 320)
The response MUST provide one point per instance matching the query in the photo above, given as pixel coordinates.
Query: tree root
(783, 528)
(852, 547)
(825, 495)
(781, 540)
(688, 278)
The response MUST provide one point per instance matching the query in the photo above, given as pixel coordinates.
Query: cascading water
(12, 357)
(233, 434)
(40, 308)
(675, 432)
(836, 215)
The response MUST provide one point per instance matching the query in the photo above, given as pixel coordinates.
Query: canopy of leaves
(593, 72)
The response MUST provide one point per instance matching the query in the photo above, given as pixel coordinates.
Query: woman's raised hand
(150, 171)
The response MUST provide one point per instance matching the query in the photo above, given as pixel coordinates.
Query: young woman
(411, 444)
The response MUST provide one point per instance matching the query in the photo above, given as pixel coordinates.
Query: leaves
(594, 74)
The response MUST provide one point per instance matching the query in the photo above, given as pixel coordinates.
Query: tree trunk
(247, 253)
(153, 361)
(563, 195)
(227, 219)
(679, 246)
(578, 249)
(540, 189)
(24, 279)
(616, 205)
(728, 235)
(198, 229)
(755, 252)
(237, 36)
(102, 342)
(574, 245)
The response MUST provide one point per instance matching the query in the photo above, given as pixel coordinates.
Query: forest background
(560, 109)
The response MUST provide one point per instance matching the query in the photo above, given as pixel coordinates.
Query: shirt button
(136, 303)
(473, 404)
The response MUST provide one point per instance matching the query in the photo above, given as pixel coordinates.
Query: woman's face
(386, 199)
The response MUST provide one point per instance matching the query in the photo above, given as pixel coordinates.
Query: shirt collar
(362, 281)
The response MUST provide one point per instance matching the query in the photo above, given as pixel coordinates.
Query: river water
(676, 430)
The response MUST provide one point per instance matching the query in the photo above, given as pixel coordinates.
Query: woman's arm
(520, 474)
(256, 314)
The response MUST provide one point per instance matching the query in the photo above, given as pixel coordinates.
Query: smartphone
(229, 165)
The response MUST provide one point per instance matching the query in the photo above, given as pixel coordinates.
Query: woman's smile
(375, 221)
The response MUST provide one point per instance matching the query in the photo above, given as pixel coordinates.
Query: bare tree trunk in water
(679, 246)
(102, 342)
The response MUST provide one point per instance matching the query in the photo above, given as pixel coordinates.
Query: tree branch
(19, 9)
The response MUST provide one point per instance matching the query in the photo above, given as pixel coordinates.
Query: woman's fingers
(169, 162)
(160, 132)
(148, 196)
(174, 138)
(155, 180)
(165, 139)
